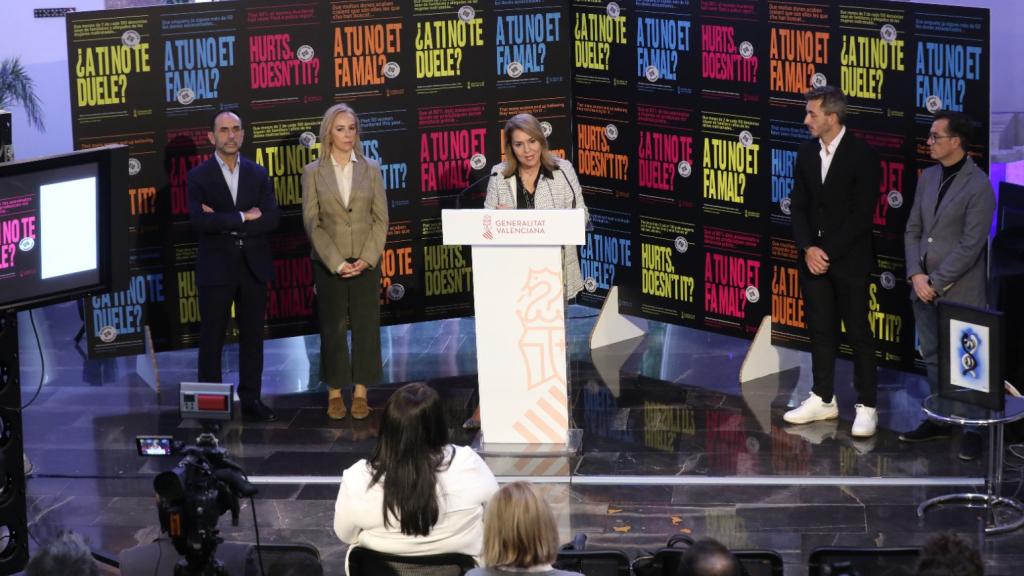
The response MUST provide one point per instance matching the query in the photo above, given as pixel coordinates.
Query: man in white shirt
(837, 184)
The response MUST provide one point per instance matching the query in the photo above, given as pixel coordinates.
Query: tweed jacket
(557, 192)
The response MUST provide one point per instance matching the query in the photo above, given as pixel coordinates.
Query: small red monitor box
(212, 402)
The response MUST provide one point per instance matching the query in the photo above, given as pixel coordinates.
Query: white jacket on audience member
(464, 489)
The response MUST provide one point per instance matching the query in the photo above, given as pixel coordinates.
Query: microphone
(458, 198)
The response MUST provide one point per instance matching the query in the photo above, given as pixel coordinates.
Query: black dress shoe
(258, 411)
(926, 431)
(971, 445)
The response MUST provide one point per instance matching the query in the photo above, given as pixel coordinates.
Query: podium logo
(487, 228)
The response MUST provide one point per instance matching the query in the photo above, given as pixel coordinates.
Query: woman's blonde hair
(531, 126)
(519, 529)
(328, 123)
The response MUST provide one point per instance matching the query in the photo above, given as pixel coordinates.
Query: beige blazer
(338, 232)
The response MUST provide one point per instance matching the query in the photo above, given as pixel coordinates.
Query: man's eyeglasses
(933, 137)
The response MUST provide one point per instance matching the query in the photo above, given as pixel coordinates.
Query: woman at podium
(531, 177)
(345, 213)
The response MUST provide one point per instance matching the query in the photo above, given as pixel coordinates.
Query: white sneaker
(811, 410)
(865, 423)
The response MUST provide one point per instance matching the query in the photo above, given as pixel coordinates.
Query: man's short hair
(708, 557)
(957, 124)
(833, 101)
(67, 554)
(215, 115)
(949, 555)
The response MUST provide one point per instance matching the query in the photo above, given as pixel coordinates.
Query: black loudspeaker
(13, 522)
(6, 143)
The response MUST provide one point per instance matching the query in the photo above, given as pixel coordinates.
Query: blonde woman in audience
(520, 536)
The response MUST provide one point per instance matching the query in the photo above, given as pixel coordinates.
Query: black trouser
(249, 295)
(342, 301)
(828, 299)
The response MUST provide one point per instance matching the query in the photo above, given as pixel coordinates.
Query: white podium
(519, 299)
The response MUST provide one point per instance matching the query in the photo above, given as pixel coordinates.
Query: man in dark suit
(231, 205)
(946, 237)
(833, 199)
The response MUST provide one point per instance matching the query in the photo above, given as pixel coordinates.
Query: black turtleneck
(948, 175)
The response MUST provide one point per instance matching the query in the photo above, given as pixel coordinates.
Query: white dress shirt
(463, 489)
(231, 177)
(344, 178)
(828, 152)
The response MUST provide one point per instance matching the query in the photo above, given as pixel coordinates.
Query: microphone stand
(458, 197)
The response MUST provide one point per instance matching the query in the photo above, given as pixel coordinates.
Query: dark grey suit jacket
(949, 244)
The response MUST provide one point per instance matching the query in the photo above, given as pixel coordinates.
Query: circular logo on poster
(611, 132)
(27, 243)
(746, 138)
(396, 292)
(186, 96)
(307, 139)
(888, 32)
(895, 199)
(590, 284)
(933, 104)
(681, 244)
(746, 49)
(684, 168)
(108, 334)
(134, 166)
(613, 10)
(477, 161)
(652, 74)
(467, 13)
(305, 53)
(784, 206)
(819, 80)
(514, 69)
(131, 38)
(391, 70)
(753, 295)
(887, 280)
(545, 128)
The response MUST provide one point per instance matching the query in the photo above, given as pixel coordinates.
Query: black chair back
(366, 562)
(594, 562)
(759, 562)
(842, 561)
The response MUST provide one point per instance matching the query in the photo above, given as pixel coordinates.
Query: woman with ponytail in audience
(418, 494)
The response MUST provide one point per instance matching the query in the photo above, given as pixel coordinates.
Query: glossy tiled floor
(671, 443)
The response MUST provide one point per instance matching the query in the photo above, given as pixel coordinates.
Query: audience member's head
(409, 452)
(68, 554)
(949, 555)
(519, 529)
(708, 557)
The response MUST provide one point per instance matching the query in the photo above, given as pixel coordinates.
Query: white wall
(42, 45)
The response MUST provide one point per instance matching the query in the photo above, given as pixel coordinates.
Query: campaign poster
(530, 44)
(803, 52)
(454, 152)
(371, 57)
(602, 47)
(287, 54)
(114, 71)
(453, 42)
(667, 58)
(203, 62)
(732, 52)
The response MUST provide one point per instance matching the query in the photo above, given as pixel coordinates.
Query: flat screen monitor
(63, 226)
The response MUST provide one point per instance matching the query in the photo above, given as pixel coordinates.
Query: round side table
(954, 412)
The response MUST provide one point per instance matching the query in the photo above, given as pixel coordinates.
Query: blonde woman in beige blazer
(345, 212)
